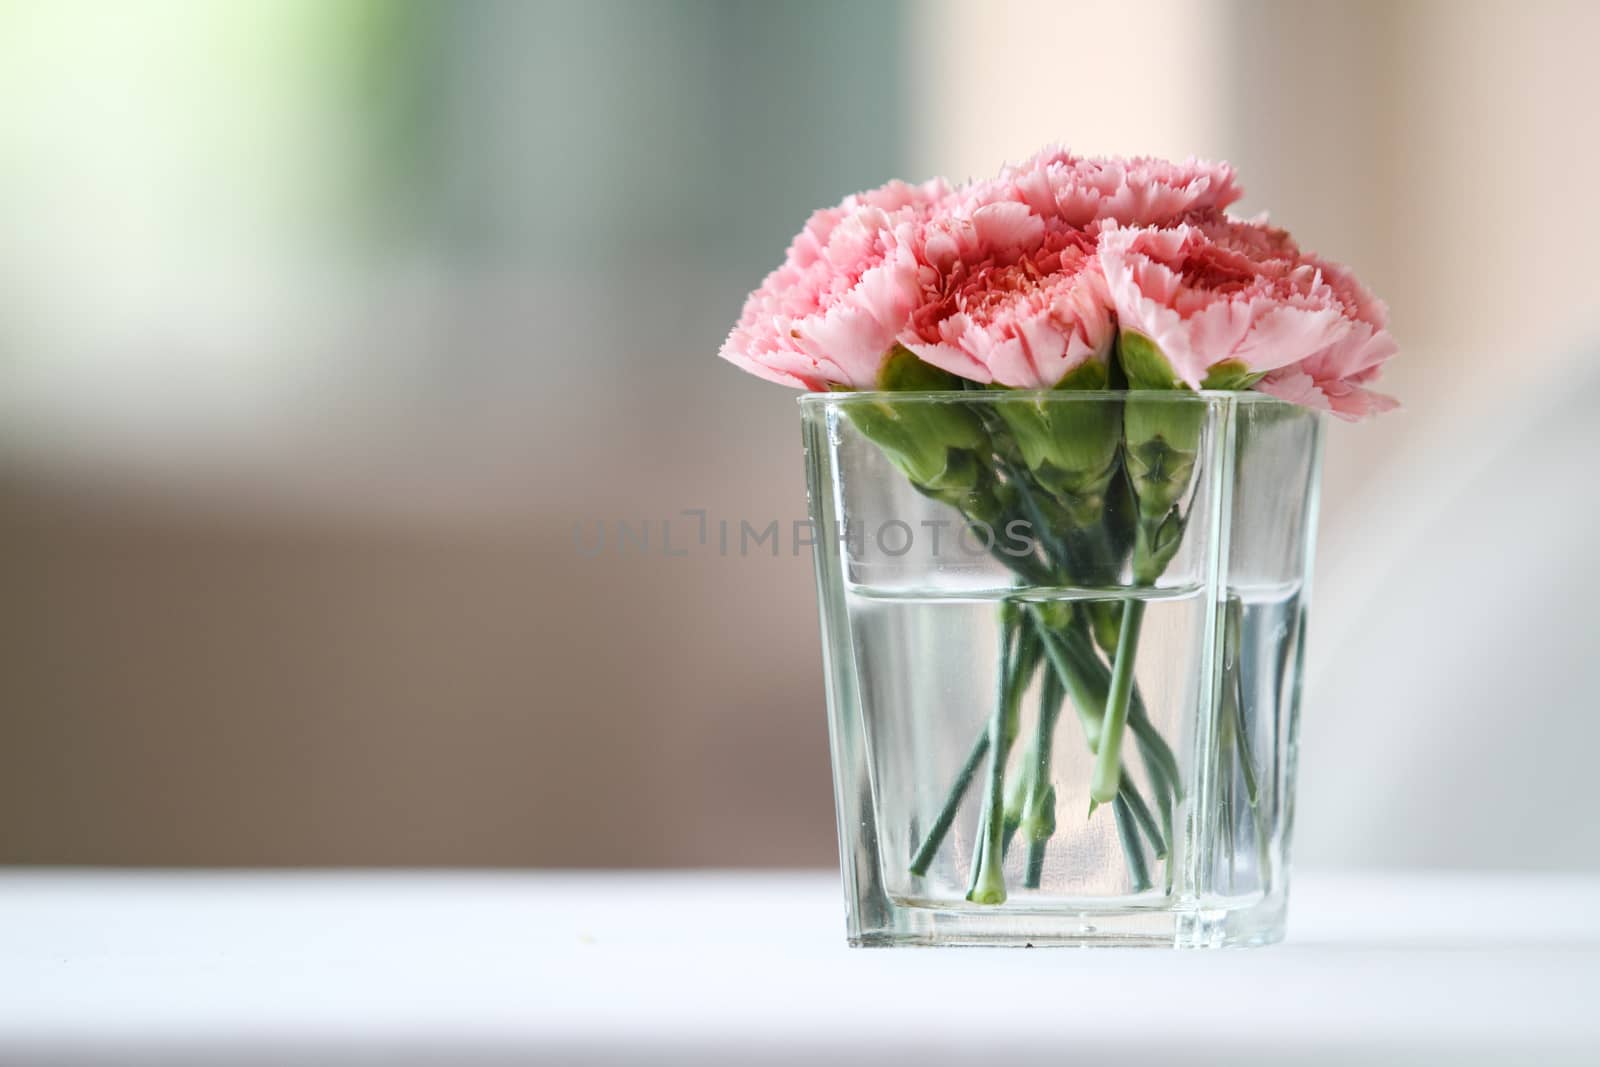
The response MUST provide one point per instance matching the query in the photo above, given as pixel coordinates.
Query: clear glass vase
(1107, 590)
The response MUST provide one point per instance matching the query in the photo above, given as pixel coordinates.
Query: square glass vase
(1063, 635)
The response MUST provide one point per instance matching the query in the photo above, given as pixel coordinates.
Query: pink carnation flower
(894, 197)
(1088, 192)
(1023, 279)
(950, 241)
(1221, 292)
(1333, 379)
(847, 287)
(1318, 381)
(1022, 316)
(1242, 292)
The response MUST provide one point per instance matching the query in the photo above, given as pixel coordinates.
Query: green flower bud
(1163, 437)
(1144, 363)
(931, 442)
(1146, 367)
(1163, 444)
(1071, 449)
(1161, 448)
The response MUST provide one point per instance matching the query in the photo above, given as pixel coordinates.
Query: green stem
(1085, 700)
(1016, 796)
(1129, 834)
(1038, 821)
(1234, 698)
(1158, 757)
(1035, 818)
(1021, 786)
(988, 884)
(1087, 681)
(1009, 685)
(1035, 872)
(1141, 814)
(1228, 796)
(988, 880)
(1071, 551)
(1165, 790)
(1152, 746)
(1108, 758)
(952, 804)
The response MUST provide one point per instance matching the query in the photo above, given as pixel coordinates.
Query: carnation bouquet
(1061, 352)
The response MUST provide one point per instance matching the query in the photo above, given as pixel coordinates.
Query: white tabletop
(487, 968)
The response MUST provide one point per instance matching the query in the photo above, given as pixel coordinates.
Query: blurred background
(325, 325)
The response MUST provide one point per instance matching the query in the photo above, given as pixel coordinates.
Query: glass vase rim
(985, 395)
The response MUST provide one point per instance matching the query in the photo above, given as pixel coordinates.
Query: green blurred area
(238, 176)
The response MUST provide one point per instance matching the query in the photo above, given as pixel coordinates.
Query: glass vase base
(1256, 924)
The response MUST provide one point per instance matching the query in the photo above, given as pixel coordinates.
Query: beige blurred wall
(190, 678)
(1445, 150)
(286, 568)
(364, 638)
